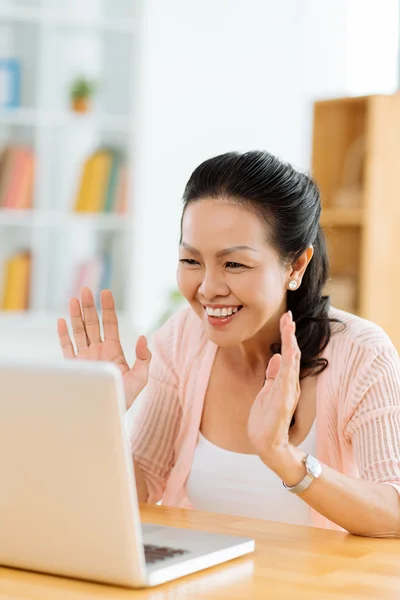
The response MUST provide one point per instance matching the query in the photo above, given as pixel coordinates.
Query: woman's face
(230, 275)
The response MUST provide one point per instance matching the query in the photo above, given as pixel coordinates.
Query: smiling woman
(259, 345)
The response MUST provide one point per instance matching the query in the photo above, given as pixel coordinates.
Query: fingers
(78, 326)
(109, 317)
(90, 316)
(295, 347)
(65, 341)
(274, 366)
(290, 349)
(289, 360)
(139, 373)
(142, 350)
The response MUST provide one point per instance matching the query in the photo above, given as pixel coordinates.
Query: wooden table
(293, 562)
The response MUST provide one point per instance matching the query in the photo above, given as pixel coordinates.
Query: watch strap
(301, 486)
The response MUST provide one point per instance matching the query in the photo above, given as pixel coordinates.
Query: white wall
(372, 46)
(222, 75)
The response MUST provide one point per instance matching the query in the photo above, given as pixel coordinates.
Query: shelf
(56, 42)
(19, 116)
(28, 318)
(38, 319)
(117, 25)
(114, 123)
(21, 14)
(106, 222)
(19, 218)
(36, 15)
(35, 118)
(342, 101)
(36, 218)
(342, 217)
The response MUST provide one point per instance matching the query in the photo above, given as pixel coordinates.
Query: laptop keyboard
(155, 554)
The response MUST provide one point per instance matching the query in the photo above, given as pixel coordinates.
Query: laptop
(68, 503)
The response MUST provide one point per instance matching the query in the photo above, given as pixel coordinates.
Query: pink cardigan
(358, 406)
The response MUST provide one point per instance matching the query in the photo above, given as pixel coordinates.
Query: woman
(259, 375)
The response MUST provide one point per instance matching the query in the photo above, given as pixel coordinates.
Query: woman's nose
(212, 286)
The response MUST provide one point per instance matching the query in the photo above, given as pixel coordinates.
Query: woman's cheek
(186, 283)
(263, 289)
(181, 282)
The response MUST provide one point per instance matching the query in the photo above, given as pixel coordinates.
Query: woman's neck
(253, 355)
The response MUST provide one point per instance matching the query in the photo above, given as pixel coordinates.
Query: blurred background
(106, 106)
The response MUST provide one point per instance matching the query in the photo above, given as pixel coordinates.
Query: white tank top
(222, 481)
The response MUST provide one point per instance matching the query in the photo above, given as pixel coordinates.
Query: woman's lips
(221, 321)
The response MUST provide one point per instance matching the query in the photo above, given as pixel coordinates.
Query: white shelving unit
(56, 42)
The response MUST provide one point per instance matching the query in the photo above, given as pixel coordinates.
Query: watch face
(313, 466)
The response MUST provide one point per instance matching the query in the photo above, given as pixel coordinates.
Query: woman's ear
(298, 268)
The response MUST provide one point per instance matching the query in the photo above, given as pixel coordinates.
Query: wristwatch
(314, 470)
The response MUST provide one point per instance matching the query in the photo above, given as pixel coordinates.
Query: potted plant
(82, 90)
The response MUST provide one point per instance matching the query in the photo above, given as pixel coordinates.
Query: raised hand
(272, 411)
(90, 346)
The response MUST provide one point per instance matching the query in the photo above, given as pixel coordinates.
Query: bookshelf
(356, 153)
(54, 43)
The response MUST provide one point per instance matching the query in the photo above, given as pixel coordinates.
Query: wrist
(288, 465)
(129, 400)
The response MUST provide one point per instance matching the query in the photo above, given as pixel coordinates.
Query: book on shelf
(17, 173)
(17, 273)
(10, 82)
(102, 185)
(94, 273)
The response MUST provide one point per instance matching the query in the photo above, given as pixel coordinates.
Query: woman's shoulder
(359, 353)
(351, 331)
(361, 359)
(182, 336)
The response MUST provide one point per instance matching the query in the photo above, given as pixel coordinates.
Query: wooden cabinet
(356, 163)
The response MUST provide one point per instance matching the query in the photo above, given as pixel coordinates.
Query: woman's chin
(223, 337)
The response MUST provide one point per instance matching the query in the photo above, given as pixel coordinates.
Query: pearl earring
(292, 284)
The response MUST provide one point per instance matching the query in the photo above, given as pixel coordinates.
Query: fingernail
(290, 315)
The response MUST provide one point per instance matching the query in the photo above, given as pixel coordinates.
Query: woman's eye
(189, 261)
(235, 265)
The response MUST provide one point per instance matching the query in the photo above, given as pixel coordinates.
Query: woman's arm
(156, 424)
(361, 507)
(153, 437)
(141, 487)
(364, 506)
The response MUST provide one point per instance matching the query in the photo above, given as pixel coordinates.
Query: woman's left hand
(273, 409)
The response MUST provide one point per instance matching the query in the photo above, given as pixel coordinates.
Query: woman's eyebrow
(220, 252)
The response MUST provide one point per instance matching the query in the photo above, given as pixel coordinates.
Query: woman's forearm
(359, 506)
(141, 486)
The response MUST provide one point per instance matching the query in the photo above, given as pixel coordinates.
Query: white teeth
(221, 312)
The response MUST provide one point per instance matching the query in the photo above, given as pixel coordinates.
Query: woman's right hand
(90, 345)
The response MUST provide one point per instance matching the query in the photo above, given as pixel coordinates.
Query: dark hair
(289, 203)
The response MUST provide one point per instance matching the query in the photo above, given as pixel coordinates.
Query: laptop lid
(68, 501)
